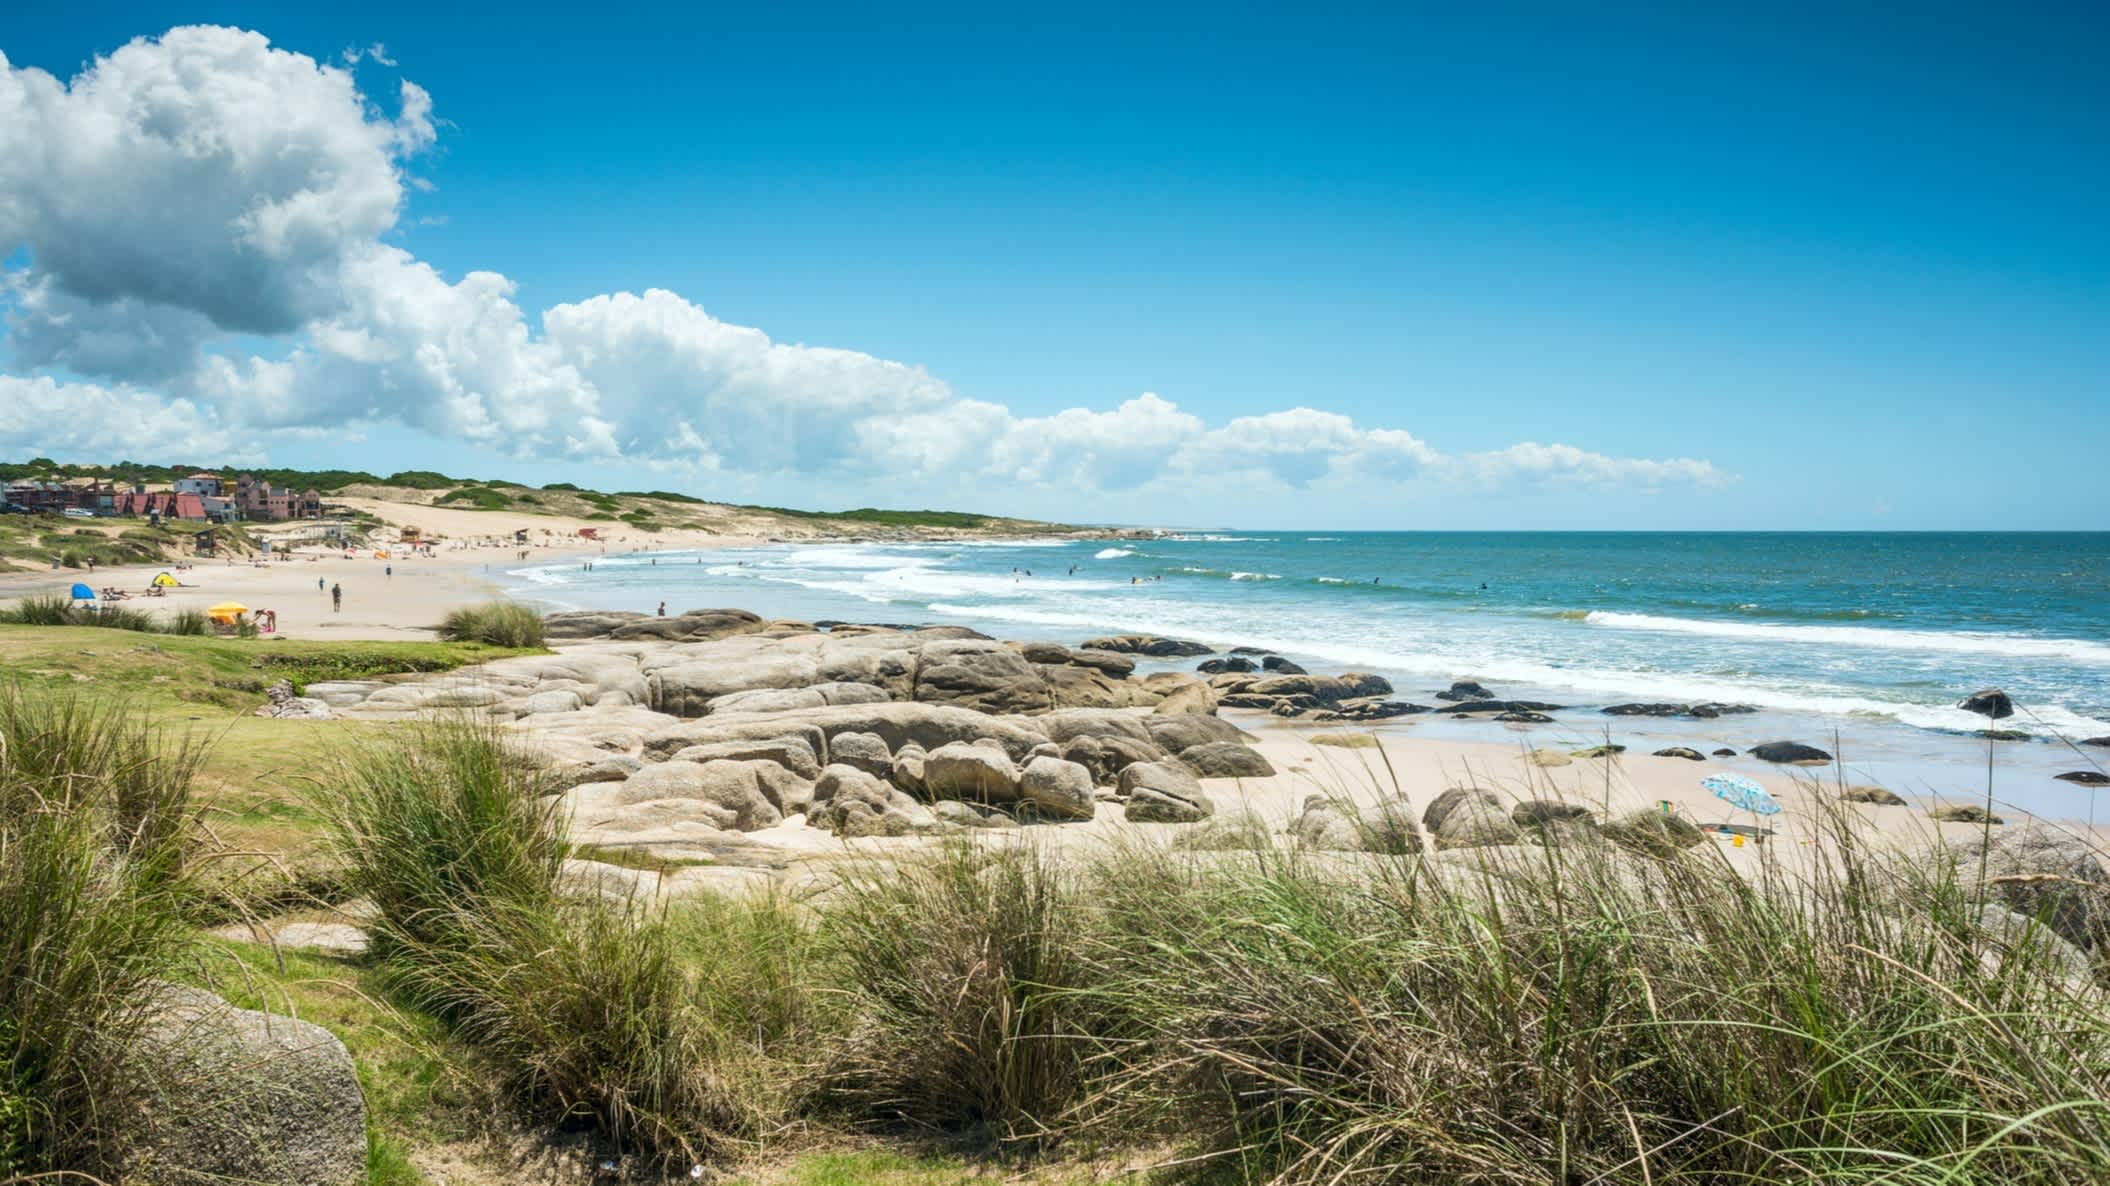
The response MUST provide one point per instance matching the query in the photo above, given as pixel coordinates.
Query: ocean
(1863, 640)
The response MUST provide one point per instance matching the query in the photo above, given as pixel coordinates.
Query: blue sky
(1856, 262)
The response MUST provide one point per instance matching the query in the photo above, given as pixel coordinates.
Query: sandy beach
(390, 592)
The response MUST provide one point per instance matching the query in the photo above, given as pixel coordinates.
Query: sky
(1385, 267)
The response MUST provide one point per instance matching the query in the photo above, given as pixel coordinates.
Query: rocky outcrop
(984, 676)
(1052, 788)
(1226, 759)
(236, 1095)
(1965, 813)
(587, 623)
(2085, 778)
(2047, 874)
(1147, 644)
(1325, 689)
(1463, 817)
(1706, 711)
(737, 796)
(1790, 752)
(696, 625)
(1880, 796)
(1465, 689)
(1491, 706)
(1654, 833)
(1474, 822)
(1680, 751)
(1280, 666)
(1235, 664)
(862, 751)
(1191, 698)
(281, 703)
(1552, 822)
(1991, 703)
(1325, 824)
(956, 814)
(851, 803)
(1164, 793)
(973, 772)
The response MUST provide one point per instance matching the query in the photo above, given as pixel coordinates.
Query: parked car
(14, 508)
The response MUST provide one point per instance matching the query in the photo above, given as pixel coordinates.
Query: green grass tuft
(494, 623)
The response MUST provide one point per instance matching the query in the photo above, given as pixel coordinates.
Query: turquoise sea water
(1870, 637)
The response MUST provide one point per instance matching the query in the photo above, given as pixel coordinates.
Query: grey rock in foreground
(237, 1095)
(1164, 793)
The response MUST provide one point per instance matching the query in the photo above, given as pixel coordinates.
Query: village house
(86, 494)
(205, 485)
(258, 499)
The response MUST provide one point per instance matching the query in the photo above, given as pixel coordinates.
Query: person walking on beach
(388, 570)
(662, 609)
(319, 584)
(336, 599)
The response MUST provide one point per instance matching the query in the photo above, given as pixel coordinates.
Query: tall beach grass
(494, 623)
(94, 821)
(1575, 1013)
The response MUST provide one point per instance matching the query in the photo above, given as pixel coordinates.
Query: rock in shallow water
(1146, 644)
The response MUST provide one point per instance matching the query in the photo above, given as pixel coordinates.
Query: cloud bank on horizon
(195, 229)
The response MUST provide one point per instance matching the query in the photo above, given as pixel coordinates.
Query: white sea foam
(1255, 576)
(550, 575)
(1397, 656)
(1112, 553)
(2074, 650)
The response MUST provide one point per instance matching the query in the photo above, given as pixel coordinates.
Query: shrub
(476, 497)
(94, 819)
(495, 623)
(583, 1006)
(39, 611)
(1582, 1016)
(963, 973)
(187, 621)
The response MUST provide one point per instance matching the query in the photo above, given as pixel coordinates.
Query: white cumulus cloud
(207, 225)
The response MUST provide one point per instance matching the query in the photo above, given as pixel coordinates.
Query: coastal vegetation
(494, 623)
(1244, 1012)
(646, 509)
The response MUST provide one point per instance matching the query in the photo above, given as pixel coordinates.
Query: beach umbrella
(227, 611)
(83, 592)
(1741, 793)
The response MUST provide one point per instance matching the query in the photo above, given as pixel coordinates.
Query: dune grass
(590, 1009)
(94, 821)
(494, 623)
(1578, 1013)
(62, 611)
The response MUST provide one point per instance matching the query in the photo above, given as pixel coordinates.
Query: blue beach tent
(82, 592)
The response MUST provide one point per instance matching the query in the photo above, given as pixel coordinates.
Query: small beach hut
(82, 592)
